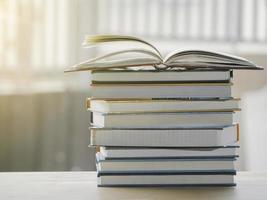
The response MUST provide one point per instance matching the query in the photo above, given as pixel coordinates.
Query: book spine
(237, 132)
(88, 103)
(92, 137)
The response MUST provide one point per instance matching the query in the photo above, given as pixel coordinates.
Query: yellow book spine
(237, 132)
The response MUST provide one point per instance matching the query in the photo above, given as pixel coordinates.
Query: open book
(148, 55)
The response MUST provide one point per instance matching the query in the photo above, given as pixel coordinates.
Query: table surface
(82, 185)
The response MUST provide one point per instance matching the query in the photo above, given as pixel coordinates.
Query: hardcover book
(167, 76)
(162, 120)
(162, 105)
(180, 152)
(164, 164)
(180, 137)
(164, 90)
(173, 179)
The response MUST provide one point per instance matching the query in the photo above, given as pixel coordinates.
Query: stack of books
(168, 125)
(164, 128)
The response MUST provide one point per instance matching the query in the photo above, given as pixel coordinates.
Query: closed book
(164, 164)
(162, 120)
(180, 137)
(149, 153)
(153, 76)
(164, 90)
(164, 105)
(167, 180)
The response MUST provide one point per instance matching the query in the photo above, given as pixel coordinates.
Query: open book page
(124, 58)
(217, 55)
(198, 58)
(124, 63)
(143, 54)
(207, 66)
(111, 60)
(98, 39)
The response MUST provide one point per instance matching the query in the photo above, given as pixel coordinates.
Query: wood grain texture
(82, 185)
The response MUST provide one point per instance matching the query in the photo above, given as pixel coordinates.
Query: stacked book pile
(162, 121)
(164, 128)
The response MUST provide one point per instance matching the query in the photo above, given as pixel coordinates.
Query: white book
(148, 165)
(161, 180)
(135, 152)
(167, 105)
(187, 137)
(142, 76)
(162, 120)
(164, 90)
(142, 54)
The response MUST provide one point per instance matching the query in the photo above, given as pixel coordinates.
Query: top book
(140, 53)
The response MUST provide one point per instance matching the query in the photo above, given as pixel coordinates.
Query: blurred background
(43, 120)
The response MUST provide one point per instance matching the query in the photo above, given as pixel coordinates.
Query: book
(152, 76)
(183, 137)
(162, 120)
(189, 152)
(166, 180)
(163, 105)
(162, 165)
(164, 90)
(141, 53)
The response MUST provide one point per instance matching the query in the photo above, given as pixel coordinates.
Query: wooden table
(82, 185)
